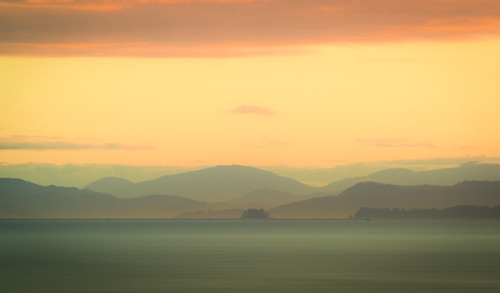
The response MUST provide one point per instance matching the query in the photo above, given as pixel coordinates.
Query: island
(255, 214)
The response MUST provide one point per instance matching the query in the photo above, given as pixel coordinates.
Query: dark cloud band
(231, 28)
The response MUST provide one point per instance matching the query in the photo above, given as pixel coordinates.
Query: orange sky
(297, 83)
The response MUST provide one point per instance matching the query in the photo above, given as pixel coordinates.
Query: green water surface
(249, 256)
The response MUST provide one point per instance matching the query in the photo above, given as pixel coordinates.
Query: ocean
(249, 256)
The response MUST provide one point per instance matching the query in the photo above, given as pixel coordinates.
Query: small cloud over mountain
(254, 110)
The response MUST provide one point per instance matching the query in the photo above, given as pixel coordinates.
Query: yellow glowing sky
(302, 105)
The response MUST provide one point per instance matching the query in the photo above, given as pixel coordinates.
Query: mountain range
(377, 195)
(221, 183)
(225, 191)
(226, 183)
(400, 176)
(22, 199)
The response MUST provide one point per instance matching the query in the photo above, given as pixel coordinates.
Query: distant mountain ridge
(470, 171)
(229, 183)
(22, 199)
(377, 195)
(449, 176)
(109, 185)
(221, 183)
(233, 188)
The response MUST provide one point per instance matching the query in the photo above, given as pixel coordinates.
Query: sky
(187, 83)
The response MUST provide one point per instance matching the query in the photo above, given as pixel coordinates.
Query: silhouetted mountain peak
(223, 170)
(109, 185)
(109, 180)
(218, 183)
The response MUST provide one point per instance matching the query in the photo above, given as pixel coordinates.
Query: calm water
(249, 256)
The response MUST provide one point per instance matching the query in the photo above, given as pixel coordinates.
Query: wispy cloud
(395, 143)
(102, 4)
(47, 143)
(169, 28)
(254, 110)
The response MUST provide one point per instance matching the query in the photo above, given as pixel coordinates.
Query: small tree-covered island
(255, 214)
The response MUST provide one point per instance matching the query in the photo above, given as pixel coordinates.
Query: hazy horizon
(80, 175)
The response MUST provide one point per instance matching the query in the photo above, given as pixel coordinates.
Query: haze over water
(249, 256)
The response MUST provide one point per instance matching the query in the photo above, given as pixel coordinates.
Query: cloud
(395, 143)
(47, 143)
(226, 28)
(101, 4)
(255, 110)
